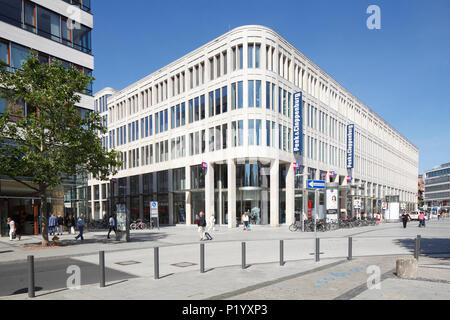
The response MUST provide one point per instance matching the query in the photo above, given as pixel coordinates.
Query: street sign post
(154, 213)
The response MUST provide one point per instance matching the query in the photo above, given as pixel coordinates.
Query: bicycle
(295, 226)
(138, 225)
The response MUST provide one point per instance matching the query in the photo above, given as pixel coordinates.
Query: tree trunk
(44, 216)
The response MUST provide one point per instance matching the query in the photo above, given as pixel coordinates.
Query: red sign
(309, 209)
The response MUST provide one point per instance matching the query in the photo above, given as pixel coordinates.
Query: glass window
(197, 109)
(2, 105)
(224, 135)
(151, 125)
(82, 38)
(250, 55)
(267, 133)
(211, 104)
(233, 134)
(240, 132)
(218, 102)
(29, 14)
(233, 96)
(146, 126)
(11, 11)
(202, 107)
(258, 132)
(191, 111)
(267, 95)
(217, 137)
(241, 57)
(251, 94)
(178, 120)
(240, 94)
(172, 117)
(183, 114)
(224, 99)
(211, 139)
(156, 123)
(66, 32)
(19, 55)
(49, 24)
(166, 120)
(251, 132)
(257, 53)
(258, 93)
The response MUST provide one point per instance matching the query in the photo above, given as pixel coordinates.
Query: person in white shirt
(12, 228)
(211, 223)
(245, 219)
(112, 225)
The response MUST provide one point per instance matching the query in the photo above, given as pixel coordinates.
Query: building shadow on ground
(429, 247)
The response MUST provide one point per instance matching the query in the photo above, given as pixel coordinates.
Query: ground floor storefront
(270, 192)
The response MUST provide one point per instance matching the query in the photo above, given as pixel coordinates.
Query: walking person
(112, 225)
(421, 219)
(60, 223)
(52, 224)
(211, 223)
(12, 229)
(245, 220)
(80, 225)
(71, 224)
(405, 218)
(201, 226)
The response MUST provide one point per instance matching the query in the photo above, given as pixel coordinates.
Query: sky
(400, 71)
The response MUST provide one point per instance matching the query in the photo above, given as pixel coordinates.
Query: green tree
(53, 140)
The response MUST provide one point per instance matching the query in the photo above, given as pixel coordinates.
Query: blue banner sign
(350, 146)
(298, 123)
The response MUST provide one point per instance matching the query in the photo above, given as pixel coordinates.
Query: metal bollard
(281, 252)
(31, 293)
(202, 258)
(102, 268)
(417, 247)
(350, 248)
(243, 255)
(317, 249)
(156, 262)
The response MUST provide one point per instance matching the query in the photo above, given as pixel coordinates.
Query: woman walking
(12, 229)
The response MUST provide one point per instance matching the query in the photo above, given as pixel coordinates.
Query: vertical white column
(274, 193)
(209, 190)
(231, 193)
(188, 196)
(290, 194)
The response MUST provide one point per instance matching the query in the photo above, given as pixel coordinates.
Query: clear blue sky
(401, 72)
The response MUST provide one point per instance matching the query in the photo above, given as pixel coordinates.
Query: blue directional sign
(316, 184)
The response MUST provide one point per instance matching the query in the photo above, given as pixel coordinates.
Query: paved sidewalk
(300, 280)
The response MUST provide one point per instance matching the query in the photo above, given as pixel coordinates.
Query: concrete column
(170, 185)
(274, 193)
(209, 190)
(231, 193)
(290, 194)
(188, 196)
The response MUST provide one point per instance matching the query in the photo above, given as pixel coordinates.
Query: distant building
(437, 187)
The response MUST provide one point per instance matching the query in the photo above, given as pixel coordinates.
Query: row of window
(82, 4)
(37, 19)
(101, 104)
(14, 55)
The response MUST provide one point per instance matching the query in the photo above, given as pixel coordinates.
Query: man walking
(80, 225)
(201, 227)
(405, 219)
(52, 224)
(112, 225)
(421, 219)
(60, 222)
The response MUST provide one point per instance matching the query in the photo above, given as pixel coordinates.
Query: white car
(414, 215)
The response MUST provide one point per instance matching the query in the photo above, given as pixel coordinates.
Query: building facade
(437, 187)
(58, 30)
(214, 132)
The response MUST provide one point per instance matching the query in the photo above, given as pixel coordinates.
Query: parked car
(414, 215)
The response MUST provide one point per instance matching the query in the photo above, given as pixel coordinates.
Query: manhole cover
(127, 263)
(184, 264)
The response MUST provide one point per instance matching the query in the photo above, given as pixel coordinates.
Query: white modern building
(214, 132)
(57, 30)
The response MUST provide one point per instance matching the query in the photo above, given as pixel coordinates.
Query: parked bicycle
(138, 225)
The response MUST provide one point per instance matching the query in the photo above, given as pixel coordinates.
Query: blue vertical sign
(350, 145)
(298, 123)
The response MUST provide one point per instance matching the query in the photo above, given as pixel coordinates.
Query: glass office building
(213, 131)
(437, 187)
(58, 31)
